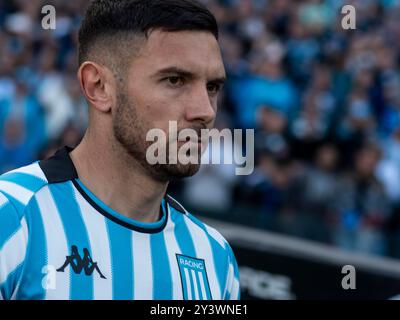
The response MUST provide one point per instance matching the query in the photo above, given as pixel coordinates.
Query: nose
(200, 106)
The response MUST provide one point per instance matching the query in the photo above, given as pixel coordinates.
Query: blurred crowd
(324, 103)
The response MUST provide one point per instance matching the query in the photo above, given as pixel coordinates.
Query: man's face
(176, 77)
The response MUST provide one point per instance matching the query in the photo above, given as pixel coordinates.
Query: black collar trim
(175, 204)
(119, 221)
(59, 167)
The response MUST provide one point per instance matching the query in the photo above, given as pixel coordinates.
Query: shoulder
(19, 186)
(199, 227)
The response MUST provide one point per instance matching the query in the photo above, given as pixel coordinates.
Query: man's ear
(97, 84)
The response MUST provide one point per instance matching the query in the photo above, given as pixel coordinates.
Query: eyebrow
(187, 74)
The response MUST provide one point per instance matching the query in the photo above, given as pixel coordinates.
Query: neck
(110, 173)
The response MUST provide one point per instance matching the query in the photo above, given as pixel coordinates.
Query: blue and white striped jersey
(58, 241)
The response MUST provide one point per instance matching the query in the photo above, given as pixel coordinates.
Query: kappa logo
(194, 278)
(78, 264)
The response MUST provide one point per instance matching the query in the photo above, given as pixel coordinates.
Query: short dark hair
(109, 18)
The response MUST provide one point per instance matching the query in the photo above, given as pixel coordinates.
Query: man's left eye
(213, 87)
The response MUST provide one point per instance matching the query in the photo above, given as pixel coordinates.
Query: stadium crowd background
(325, 104)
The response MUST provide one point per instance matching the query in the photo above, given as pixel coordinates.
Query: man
(95, 222)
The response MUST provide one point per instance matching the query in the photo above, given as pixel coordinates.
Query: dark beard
(131, 132)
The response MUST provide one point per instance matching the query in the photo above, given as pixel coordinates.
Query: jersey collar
(60, 168)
